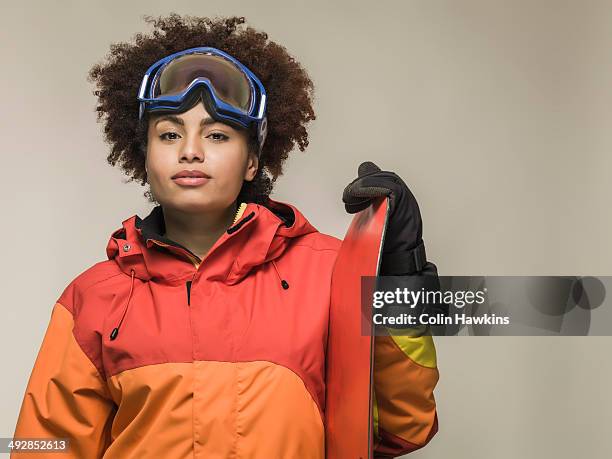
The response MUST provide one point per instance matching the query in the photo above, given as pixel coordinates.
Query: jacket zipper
(188, 293)
(198, 262)
(195, 260)
(190, 282)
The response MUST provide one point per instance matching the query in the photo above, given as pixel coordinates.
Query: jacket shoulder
(319, 241)
(92, 276)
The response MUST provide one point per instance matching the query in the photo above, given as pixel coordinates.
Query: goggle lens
(231, 85)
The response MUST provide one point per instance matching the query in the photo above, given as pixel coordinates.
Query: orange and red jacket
(215, 358)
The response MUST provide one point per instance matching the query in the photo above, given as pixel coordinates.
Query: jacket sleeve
(405, 375)
(65, 397)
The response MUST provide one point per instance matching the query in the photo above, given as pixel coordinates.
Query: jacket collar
(260, 233)
(153, 226)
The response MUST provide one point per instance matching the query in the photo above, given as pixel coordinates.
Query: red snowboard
(348, 407)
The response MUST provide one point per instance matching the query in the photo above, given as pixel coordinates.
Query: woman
(204, 332)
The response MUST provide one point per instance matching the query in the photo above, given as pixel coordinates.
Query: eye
(163, 136)
(220, 137)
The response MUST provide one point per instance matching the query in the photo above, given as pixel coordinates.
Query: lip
(190, 178)
(190, 173)
(190, 181)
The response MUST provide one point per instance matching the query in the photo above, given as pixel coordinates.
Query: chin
(198, 203)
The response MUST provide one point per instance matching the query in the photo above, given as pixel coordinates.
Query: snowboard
(349, 432)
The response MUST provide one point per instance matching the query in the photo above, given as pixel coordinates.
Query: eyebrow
(176, 120)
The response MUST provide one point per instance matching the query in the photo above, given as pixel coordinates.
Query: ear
(252, 166)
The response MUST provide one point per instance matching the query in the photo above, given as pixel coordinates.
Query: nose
(192, 149)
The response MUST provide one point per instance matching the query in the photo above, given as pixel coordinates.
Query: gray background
(496, 114)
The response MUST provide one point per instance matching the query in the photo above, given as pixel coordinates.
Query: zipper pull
(188, 284)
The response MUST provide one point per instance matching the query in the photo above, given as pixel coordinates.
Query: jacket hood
(261, 234)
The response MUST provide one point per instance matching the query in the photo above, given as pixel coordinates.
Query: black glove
(403, 251)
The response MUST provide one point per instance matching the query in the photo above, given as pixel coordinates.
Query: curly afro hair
(288, 87)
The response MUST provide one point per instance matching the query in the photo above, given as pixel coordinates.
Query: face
(192, 143)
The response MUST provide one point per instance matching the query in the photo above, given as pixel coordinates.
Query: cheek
(228, 168)
(159, 165)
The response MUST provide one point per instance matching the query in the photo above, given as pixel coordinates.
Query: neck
(198, 232)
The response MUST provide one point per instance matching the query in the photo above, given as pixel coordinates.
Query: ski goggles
(235, 94)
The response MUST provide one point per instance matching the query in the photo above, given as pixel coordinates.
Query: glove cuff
(404, 263)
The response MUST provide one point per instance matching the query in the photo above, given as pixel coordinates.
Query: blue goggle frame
(255, 114)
